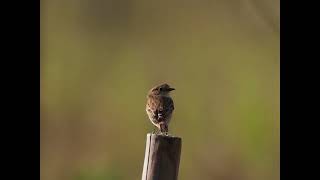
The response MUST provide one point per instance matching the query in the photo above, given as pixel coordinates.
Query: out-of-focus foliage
(100, 57)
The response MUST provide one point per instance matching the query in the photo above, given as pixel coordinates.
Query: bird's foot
(155, 131)
(164, 133)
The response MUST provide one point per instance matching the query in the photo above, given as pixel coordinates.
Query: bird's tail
(163, 127)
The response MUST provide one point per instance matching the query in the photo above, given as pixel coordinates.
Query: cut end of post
(163, 135)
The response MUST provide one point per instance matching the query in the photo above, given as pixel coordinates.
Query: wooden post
(162, 157)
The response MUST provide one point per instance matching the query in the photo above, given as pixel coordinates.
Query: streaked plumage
(160, 106)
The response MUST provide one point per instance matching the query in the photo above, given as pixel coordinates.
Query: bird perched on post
(160, 106)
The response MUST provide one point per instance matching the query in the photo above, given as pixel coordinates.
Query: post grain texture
(162, 157)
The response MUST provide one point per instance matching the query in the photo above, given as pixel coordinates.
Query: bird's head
(163, 89)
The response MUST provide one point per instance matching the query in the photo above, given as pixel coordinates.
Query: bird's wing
(152, 106)
(166, 107)
(160, 107)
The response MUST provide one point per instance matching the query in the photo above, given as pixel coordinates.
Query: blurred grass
(99, 59)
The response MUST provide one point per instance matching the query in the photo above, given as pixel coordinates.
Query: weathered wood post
(162, 157)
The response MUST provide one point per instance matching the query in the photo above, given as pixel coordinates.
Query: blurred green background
(100, 57)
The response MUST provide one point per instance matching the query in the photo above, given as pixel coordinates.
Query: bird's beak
(171, 89)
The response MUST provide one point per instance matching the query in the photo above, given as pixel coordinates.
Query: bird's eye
(160, 89)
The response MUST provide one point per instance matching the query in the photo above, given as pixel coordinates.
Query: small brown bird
(160, 106)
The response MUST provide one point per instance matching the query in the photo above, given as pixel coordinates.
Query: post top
(169, 136)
